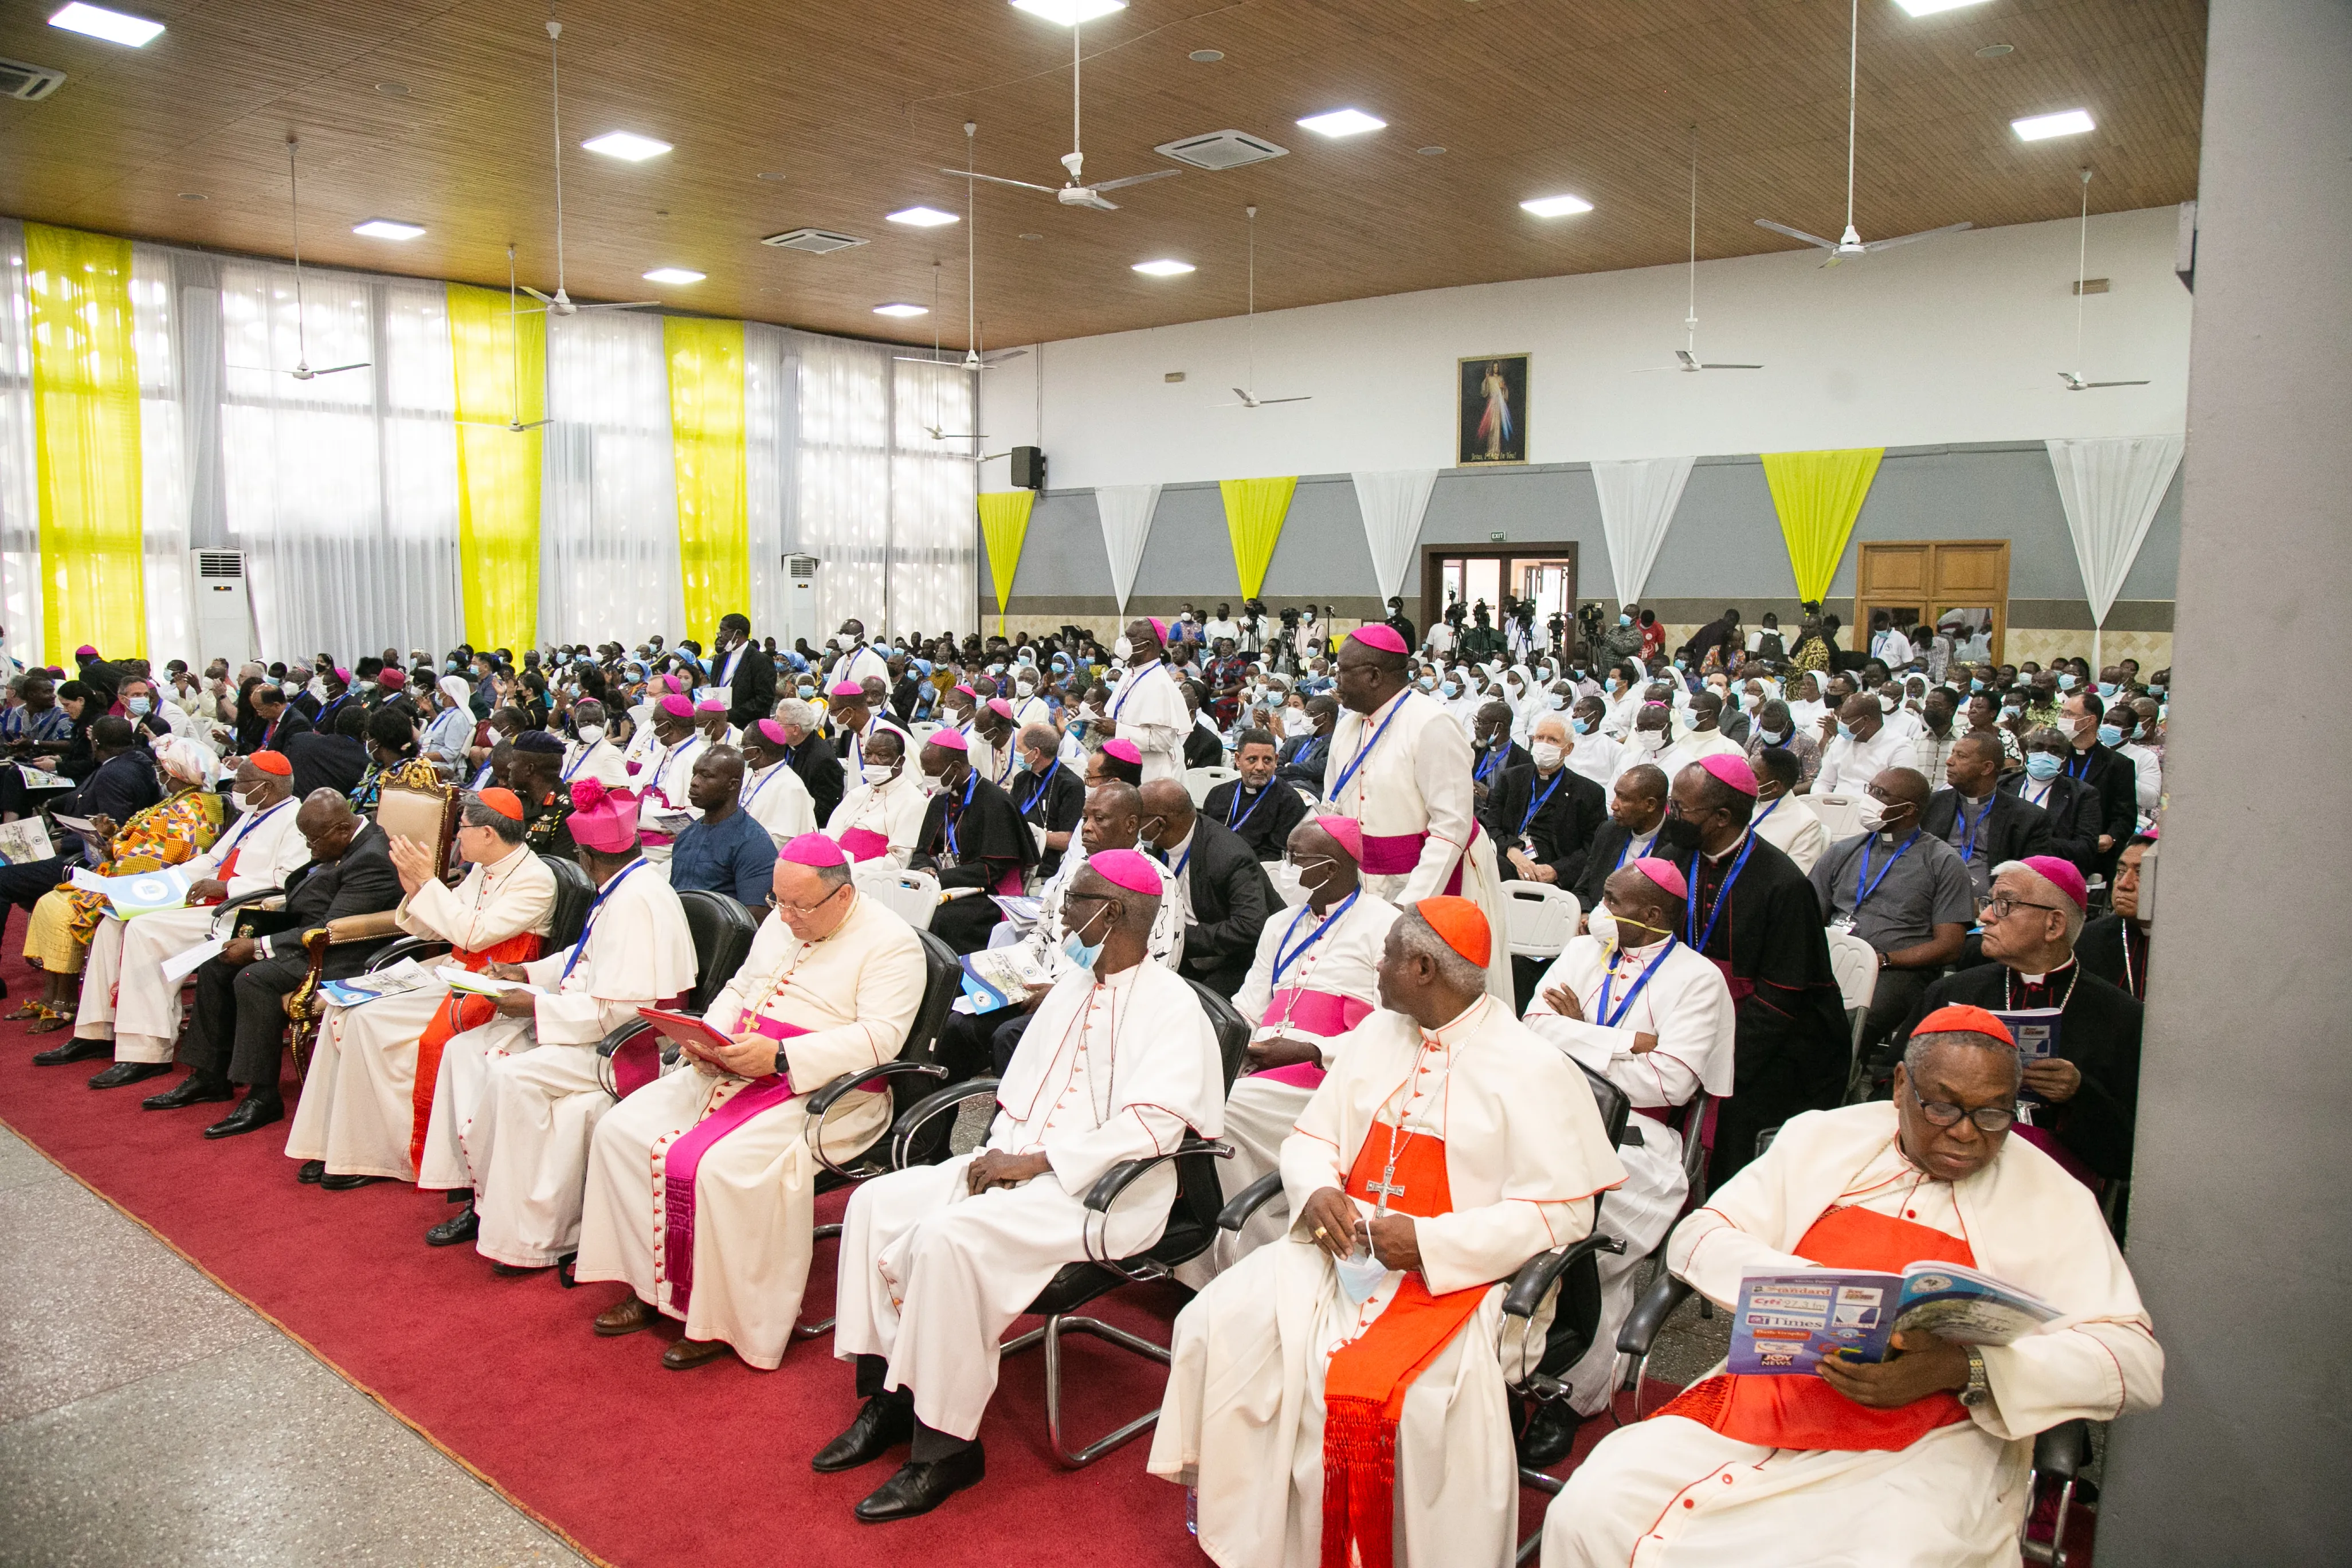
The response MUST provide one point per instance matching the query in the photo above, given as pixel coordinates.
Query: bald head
(1166, 812)
(1113, 818)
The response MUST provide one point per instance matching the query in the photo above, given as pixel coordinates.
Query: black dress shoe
(459, 1228)
(312, 1172)
(344, 1184)
(1551, 1434)
(251, 1115)
(887, 1419)
(121, 1073)
(196, 1089)
(919, 1488)
(74, 1050)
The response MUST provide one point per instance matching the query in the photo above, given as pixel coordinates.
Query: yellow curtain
(706, 423)
(85, 443)
(1253, 513)
(501, 366)
(1003, 525)
(1818, 496)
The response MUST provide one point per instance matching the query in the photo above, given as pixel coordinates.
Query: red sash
(684, 1158)
(1395, 854)
(1364, 1385)
(864, 843)
(1805, 1412)
(456, 1015)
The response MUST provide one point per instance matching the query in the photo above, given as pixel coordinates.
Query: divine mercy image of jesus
(1492, 418)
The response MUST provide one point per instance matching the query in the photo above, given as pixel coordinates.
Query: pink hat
(1386, 638)
(845, 688)
(1123, 750)
(773, 731)
(1159, 626)
(1665, 873)
(1347, 832)
(1001, 707)
(815, 849)
(343, 675)
(948, 738)
(603, 820)
(1731, 769)
(671, 683)
(676, 707)
(1127, 868)
(2063, 876)
(711, 705)
(966, 689)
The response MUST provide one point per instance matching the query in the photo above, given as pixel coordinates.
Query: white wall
(1955, 339)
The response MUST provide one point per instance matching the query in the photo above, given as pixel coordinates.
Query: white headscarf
(456, 690)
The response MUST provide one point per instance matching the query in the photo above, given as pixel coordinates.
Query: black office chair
(633, 1054)
(1192, 1220)
(573, 893)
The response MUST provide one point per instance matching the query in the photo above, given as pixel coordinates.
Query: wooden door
(1922, 581)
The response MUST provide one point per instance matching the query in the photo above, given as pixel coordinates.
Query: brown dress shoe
(626, 1316)
(689, 1353)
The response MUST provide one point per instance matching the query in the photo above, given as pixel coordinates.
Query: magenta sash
(864, 844)
(1395, 854)
(684, 1158)
(1323, 1013)
(1011, 884)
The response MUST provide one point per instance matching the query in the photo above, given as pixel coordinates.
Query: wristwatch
(1978, 1391)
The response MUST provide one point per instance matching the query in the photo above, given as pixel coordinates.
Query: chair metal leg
(1050, 1336)
(2055, 1552)
(817, 1329)
(1551, 1486)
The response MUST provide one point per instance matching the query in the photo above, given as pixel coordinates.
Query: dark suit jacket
(2115, 777)
(1231, 898)
(326, 762)
(1055, 806)
(1202, 750)
(2100, 950)
(361, 883)
(1266, 820)
(1601, 861)
(2074, 817)
(752, 695)
(1300, 761)
(121, 785)
(820, 769)
(1562, 829)
(291, 721)
(2012, 829)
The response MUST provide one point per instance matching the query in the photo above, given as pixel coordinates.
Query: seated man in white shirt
(1783, 818)
(1864, 748)
(773, 796)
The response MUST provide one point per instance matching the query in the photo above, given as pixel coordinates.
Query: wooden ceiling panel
(858, 107)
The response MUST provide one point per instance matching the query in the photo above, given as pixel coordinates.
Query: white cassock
(1164, 942)
(932, 1275)
(776, 799)
(1403, 774)
(1595, 756)
(1790, 825)
(1632, 756)
(1329, 984)
(519, 1099)
(1524, 1153)
(1695, 746)
(645, 749)
(664, 783)
(123, 994)
(894, 811)
(602, 761)
(358, 1111)
(743, 1239)
(1032, 709)
(856, 664)
(1953, 1499)
(1148, 709)
(1686, 1007)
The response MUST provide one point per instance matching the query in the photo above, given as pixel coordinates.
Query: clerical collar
(1451, 1033)
(1643, 954)
(507, 861)
(2045, 979)
(1120, 979)
(1728, 849)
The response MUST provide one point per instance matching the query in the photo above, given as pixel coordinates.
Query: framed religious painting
(1491, 410)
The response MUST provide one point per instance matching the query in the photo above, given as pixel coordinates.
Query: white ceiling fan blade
(1656, 369)
(535, 294)
(989, 361)
(334, 369)
(620, 305)
(1097, 203)
(1001, 180)
(1795, 233)
(2088, 386)
(1690, 359)
(1136, 179)
(1731, 367)
(1878, 245)
(1304, 397)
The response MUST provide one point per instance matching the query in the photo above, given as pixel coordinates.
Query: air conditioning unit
(224, 608)
(804, 602)
(30, 83)
(816, 241)
(1221, 150)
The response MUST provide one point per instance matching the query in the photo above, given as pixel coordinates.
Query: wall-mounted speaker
(1029, 468)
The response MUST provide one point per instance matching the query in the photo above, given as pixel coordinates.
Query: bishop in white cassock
(593, 755)
(881, 814)
(1447, 1147)
(774, 796)
(368, 1097)
(518, 1098)
(125, 996)
(702, 1184)
(1147, 707)
(1399, 766)
(1119, 1062)
(1316, 977)
(1917, 1460)
(1631, 1004)
(667, 772)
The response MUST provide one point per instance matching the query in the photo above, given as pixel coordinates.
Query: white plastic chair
(922, 732)
(1840, 814)
(915, 895)
(1199, 782)
(1854, 962)
(1541, 917)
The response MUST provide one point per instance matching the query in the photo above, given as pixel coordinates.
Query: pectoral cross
(1387, 1187)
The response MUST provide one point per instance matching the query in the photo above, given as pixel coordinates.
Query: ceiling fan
(1247, 399)
(514, 344)
(301, 371)
(937, 430)
(972, 358)
(2073, 378)
(560, 303)
(1688, 354)
(1075, 192)
(1851, 243)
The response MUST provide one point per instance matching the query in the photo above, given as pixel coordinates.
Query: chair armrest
(1121, 1176)
(924, 1110)
(406, 947)
(1249, 1200)
(362, 927)
(1649, 1314)
(229, 907)
(2062, 1450)
(1535, 1275)
(623, 1036)
(822, 1102)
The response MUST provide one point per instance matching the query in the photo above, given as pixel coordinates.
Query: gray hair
(798, 714)
(1420, 938)
(2068, 909)
(1917, 1051)
(832, 876)
(478, 813)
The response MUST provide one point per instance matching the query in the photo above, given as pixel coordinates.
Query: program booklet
(360, 989)
(1790, 1323)
(24, 841)
(2035, 1030)
(998, 977)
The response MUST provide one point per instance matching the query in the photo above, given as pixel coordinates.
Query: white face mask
(1548, 754)
(1868, 813)
(592, 733)
(879, 773)
(1602, 925)
(1649, 739)
(1122, 648)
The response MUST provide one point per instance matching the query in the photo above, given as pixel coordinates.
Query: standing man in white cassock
(1400, 765)
(664, 787)
(1447, 1147)
(701, 1184)
(1148, 707)
(519, 1097)
(368, 1097)
(1631, 1003)
(1314, 978)
(1119, 1063)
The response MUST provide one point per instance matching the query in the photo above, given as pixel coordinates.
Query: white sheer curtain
(1126, 513)
(1637, 504)
(20, 515)
(1392, 503)
(771, 365)
(842, 511)
(163, 455)
(2111, 490)
(608, 498)
(934, 583)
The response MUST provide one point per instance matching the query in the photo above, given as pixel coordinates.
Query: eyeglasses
(2002, 904)
(1944, 1113)
(789, 911)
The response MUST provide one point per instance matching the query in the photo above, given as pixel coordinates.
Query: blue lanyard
(1235, 822)
(971, 783)
(1491, 760)
(2079, 766)
(765, 779)
(580, 762)
(1698, 943)
(1045, 782)
(1282, 961)
(580, 947)
(248, 824)
(1127, 688)
(1609, 1019)
(1768, 810)
(1861, 892)
(1357, 762)
(1969, 845)
(1625, 850)
(1546, 796)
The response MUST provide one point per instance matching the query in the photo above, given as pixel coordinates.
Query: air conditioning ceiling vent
(29, 82)
(816, 241)
(1221, 150)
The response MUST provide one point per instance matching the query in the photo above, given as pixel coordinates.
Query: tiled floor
(147, 1418)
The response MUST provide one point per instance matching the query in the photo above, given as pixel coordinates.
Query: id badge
(1841, 923)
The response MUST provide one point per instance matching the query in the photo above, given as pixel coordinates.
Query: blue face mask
(1079, 951)
(2156, 692)
(2042, 767)
(1774, 737)
(1610, 684)
(1582, 726)
(2066, 681)
(137, 706)
(1451, 689)
(1624, 620)
(2110, 735)
(2106, 689)
(1975, 684)
(1845, 730)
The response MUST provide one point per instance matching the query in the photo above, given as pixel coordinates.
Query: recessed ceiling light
(1431, 152)
(193, 196)
(1342, 122)
(769, 174)
(1069, 13)
(628, 146)
(1206, 56)
(1557, 206)
(921, 217)
(1032, 236)
(115, 27)
(673, 275)
(1163, 268)
(902, 310)
(1994, 51)
(388, 229)
(1929, 8)
(2042, 127)
(392, 88)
